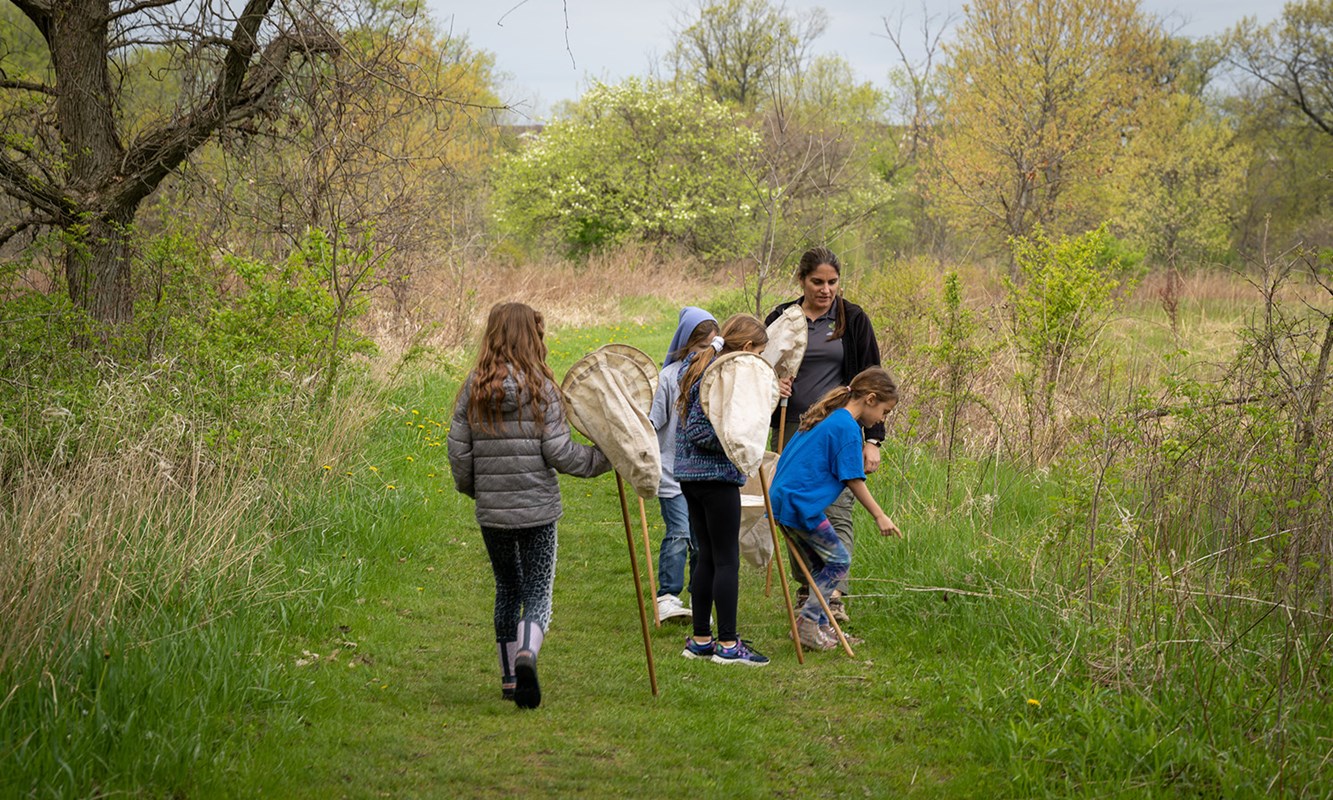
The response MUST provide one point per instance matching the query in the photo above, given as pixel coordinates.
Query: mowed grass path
(401, 657)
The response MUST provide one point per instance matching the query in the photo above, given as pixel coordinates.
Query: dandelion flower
(1034, 702)
(414, 411)
(390, 486)
(328, 467)
(374, 468)
(409, 458)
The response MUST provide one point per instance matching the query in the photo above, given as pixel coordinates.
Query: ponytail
(872, 380)
(738, 332)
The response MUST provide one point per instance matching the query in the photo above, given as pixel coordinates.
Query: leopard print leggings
(523, 560)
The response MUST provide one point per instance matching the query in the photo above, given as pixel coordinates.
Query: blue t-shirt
(814, 468)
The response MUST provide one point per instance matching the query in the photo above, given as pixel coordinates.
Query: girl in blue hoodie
(695, 329)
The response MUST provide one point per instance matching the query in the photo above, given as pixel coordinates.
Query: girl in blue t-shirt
(822, 459)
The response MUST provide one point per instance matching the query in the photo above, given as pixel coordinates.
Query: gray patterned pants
(523, 560)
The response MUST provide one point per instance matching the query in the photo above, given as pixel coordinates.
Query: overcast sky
(550, 50)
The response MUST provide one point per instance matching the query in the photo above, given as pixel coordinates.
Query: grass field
(367, 670)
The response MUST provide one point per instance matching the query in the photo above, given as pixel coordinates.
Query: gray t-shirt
(821, 369)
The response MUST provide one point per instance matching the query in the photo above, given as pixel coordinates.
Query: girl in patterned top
(711, 485)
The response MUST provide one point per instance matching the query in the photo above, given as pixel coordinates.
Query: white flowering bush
(633, 162)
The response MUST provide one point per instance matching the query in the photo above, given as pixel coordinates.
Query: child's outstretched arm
(560, 450)
(862, 495)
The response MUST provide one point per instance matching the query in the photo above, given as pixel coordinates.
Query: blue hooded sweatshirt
(663, 414)
(690, 317)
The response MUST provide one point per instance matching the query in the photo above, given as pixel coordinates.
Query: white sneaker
(670, 607)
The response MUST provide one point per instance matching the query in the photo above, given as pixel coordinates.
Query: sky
(550, 50)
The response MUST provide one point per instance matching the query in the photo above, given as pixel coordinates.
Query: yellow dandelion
(421, 427)
(374, 469)
(390, 486)
(1032, 701)
(409, 458)
(430, 474)
(328, 468)
(349, 472)
(417, 413)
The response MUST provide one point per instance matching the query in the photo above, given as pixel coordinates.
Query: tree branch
(135, 8)
(36, 10)
(18, 227)
(19, 184)
(27, 86)
(242, 85)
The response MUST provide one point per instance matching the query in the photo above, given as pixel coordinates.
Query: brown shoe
(833, 635)
(812, 635)
(839, 610)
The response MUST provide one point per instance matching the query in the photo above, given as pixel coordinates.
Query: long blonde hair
(514, 343)
(872, 380)
(738, 332)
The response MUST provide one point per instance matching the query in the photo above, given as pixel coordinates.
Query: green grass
(372, 674)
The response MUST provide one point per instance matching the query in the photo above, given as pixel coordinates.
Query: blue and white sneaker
(695, 650)
(739, 653)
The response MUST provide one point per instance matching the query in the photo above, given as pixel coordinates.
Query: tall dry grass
(144, 522)
(448, 300)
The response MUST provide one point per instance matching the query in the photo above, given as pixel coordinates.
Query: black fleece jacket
(860, 349)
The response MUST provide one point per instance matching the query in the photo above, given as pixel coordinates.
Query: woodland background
(1098, 257)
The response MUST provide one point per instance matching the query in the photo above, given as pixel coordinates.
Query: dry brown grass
(109, 539)
(133, 524)
(447, 303)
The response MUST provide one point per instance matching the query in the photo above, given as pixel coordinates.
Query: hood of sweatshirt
(690, 317)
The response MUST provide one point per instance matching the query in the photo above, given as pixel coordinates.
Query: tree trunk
(97, 268)
(97, 253)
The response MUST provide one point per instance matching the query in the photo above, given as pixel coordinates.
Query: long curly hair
(514, 344)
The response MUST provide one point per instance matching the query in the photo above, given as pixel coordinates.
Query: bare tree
(66, 157)
(1292, 58)
(740, 50)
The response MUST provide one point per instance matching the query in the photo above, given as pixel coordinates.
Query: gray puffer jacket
(511, 471)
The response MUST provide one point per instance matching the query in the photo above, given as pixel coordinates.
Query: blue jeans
(676, 543)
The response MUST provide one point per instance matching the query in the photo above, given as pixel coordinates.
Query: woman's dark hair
(810, 261)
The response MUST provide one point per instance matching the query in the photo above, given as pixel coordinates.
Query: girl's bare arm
(862, 495)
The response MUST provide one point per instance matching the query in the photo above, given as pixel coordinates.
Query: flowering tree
(632, 162)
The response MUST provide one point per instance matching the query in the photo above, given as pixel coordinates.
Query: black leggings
(715, 522)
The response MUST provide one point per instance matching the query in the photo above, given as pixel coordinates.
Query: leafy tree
(1185, 197)
(632, 162)
(1039, 101)
(1186, 174)
(737, 49)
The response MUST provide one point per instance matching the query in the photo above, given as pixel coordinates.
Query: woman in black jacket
(841, 344)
